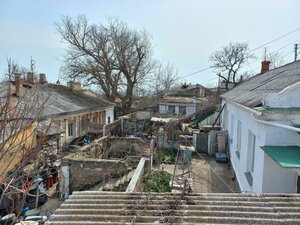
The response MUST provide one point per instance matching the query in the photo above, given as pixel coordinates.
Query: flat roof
(285, 156)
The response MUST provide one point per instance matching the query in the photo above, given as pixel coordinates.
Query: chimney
(197, 91)
(265, 65)
(19, 85)
(74, 85)
(10, 103)
(42, 79)
(30, 78)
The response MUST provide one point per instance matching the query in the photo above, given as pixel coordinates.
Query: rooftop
(56, 99)
(182, 100)
(94, 207)
(285, 156)
(251, 92)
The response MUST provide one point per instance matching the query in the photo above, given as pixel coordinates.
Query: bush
(157, 182)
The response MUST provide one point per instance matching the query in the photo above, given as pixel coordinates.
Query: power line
(276, 39)
(263, 45)
(199, 71)
(291, 43)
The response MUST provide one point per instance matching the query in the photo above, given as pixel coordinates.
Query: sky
(184, 32)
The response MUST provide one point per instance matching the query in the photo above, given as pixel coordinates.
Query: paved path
(207, 175)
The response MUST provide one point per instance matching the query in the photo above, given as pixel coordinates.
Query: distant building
(183, 100)
(262, 117)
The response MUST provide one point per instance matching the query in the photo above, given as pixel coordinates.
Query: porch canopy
(285, 156)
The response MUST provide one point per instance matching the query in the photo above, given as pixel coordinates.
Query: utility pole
(296, 52)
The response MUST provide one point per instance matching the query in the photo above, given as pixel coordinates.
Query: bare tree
(228, 61)
(113, 56)
(276, 59)
(21, 110)
(165, 76)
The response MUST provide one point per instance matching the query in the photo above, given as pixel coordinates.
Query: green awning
(285, 156)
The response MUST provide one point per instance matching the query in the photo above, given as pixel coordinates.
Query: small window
(108, 119)
(182, 110)
(251, 152)
(71, 129)
(171, 109)
(239, 138)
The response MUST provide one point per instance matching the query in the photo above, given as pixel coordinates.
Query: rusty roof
(251, 92)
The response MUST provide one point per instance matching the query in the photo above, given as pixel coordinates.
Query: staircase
(96, 207)
(117, 184)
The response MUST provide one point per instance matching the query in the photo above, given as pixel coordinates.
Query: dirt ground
(207, 175)
(50, 206)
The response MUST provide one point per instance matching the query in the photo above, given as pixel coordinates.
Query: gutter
(277, 124)
(244, 107)
(263, 121)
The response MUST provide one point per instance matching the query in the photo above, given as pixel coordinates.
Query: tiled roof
(251, 92)
(94, 207)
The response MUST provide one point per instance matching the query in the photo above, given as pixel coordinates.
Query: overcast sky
(184, 32)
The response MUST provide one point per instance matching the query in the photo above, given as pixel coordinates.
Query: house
(262, 117)
(183, 100)
(33, 110)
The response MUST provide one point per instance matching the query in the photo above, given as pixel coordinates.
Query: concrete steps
(92, 207)
(114, 184)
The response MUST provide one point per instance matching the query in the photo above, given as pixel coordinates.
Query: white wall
(210, 120)
(278, 179)
(240, 164)
(163, 108)
(274, 174)
(287, 98)
(268, 176)
(109, 113)
(190, 109)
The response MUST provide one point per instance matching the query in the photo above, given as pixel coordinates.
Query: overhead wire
(212, 169)
(263, 45)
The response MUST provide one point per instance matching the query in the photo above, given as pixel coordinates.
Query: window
(71, 129)
(108, 119)
(231, 128)
(182, 110)
(239, 136)
(250, 158)
(171, 109)
(251, 152)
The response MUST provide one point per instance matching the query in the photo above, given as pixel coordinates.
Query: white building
(180, 106)
(183, 100)
(262, 116)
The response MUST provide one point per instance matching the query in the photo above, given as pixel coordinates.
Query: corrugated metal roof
(251, 92)
(285, 156)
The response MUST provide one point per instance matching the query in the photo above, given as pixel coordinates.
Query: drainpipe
(277, 124)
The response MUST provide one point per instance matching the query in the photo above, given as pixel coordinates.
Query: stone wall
(85, 173)
(105, 157)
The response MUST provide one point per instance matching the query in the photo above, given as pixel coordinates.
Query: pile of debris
(24, 190)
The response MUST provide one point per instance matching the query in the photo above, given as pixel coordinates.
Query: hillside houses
(262, 118)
